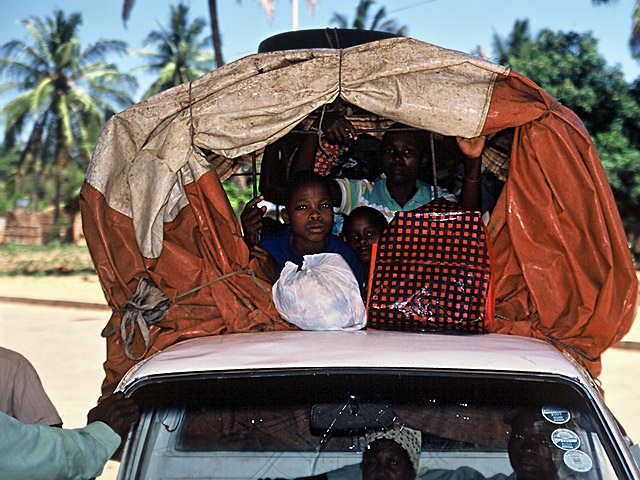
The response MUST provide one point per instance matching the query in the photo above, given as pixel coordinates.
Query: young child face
(361, 233)
(310, 216)
(402, 157)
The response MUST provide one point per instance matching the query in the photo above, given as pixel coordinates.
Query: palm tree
(127, 6)
(65, 92)
(514, 45)
(179, 54)
(363, 17)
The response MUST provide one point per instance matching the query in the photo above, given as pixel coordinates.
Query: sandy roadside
(77, 288)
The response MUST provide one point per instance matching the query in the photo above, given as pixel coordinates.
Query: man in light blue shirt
(33, 452)
(404, 158)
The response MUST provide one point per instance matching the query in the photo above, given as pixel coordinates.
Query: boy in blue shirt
(309, 214)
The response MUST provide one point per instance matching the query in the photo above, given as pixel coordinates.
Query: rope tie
(148, 306)
(436, 189)
(336, 46)
(340, 74)
(551, 109)
(321, 133)
(192, 130)
(560, 342)
(572, 348)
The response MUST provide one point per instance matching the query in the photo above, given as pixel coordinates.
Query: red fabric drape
(200, 245)
(562, 263)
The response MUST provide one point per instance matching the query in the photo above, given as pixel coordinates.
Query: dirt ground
(71, 288)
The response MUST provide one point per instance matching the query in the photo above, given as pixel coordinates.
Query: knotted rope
(148, 306)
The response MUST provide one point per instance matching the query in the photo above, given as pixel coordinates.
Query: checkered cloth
(432, 272)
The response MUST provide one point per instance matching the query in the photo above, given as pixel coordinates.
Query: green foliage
(621, 162)
(569, 67)
(514, 45)
(238, 195)
(181, 52)
(9, 159)
(64, 93)
(40, 260)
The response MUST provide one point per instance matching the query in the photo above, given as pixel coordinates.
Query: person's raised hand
(251, 219)
(116, 411)
(471, 147)
(338, 130)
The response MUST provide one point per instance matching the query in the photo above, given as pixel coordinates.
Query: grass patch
(41, 260)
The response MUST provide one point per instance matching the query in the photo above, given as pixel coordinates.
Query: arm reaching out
(471, 194)
(337, 130)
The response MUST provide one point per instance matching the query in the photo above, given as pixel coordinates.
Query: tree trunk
(215, 33)
(36, 183)
(57, 200)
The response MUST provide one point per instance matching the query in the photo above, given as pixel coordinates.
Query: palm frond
(339, 20)
(126, 10)
(102, 48)
(42, 94)
(634, 40)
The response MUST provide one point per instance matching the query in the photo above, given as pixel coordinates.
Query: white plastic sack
(322, 295)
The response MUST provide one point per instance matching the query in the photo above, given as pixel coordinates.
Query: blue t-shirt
(277, 244)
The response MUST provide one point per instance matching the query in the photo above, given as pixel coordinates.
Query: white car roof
(355, 349)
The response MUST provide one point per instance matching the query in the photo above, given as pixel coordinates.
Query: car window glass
(289, 426)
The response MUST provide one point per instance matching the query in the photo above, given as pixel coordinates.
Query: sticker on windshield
(557, 415)
(578, 461)
(565, 439)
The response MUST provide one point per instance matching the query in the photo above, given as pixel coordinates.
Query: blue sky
(456, 24)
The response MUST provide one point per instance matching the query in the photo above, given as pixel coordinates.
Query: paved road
(65, 346)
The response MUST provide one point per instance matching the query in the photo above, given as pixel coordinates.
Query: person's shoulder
(422, 185)
(14, 357)
(355, 183)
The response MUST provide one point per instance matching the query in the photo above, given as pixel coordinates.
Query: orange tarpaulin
(153, 206)
(563, 266)
(201, 244)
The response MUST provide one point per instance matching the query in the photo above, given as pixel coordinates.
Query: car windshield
(291, 425)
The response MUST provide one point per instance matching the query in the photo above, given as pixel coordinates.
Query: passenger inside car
(530, 448)
(390, 454)
(358, 159)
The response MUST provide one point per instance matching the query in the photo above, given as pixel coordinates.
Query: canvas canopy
(153, 205)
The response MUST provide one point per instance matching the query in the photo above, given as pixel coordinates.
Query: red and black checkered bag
(432, 272)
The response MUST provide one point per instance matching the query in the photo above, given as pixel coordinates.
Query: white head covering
(407, 438)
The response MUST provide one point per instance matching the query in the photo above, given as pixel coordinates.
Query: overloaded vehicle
(299, 404)
(231, 389)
